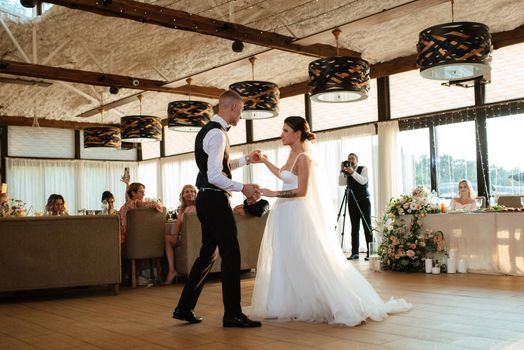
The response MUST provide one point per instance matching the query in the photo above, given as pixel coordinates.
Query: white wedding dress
(302, 273)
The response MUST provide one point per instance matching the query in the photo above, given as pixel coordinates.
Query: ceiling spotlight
(114, 90)
(237, 46)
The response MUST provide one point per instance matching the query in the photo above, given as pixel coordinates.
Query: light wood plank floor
(463, 311)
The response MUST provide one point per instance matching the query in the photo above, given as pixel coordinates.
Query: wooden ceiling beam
(47, 123)
(176, 19)
(101, 79)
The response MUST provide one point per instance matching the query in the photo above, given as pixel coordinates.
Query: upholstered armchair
(510, 201)
(144, 238)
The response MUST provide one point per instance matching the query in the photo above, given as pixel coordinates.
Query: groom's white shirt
(214, 145)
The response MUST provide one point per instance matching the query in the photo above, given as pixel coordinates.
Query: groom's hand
(255, 156)
(250, 190)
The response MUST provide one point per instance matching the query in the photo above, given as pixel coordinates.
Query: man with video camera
(355, 178)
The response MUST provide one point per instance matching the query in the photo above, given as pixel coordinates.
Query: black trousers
(355, 217)
(218, 230)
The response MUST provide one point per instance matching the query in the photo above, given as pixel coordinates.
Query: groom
(216, 216)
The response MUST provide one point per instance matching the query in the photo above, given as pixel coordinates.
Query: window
(93, 153)
(507, 74)
(150, 150)
(413, 95)
(147, 174)
(177, 142)
(40, 142)
(456, 157)
(270, 128)
(506, 168)
(333, 115)
(414, 149)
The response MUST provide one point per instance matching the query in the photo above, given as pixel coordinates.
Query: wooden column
(433, 156)
(307, 110)
(383, 100)
(163, 143)
(77, 144)
(481, 143)
(3, 153)
(249, 131)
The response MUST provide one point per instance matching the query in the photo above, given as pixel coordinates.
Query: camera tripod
(344, 206)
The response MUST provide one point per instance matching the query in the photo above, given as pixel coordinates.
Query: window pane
(456, 157)
(40, 142)
(270, 128)
(237, 134)
(414, 149)
(412, 95)
(93, 153)
(506, 170)
(177, 142)
(507, 74)
(333, 115)
(150, 150)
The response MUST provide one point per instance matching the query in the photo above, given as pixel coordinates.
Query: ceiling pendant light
(455, 51)
(260, 97)
(104, 138)
(339, 79)
(141, 128)
(188, 115)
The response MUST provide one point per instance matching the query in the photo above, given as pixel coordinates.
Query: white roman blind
(23, 141)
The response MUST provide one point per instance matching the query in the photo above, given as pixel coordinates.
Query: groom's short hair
(228, 97)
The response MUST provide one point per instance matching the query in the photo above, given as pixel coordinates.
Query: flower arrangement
(405, 245)
(17, 207)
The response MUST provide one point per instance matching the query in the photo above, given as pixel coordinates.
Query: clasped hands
(253, 191)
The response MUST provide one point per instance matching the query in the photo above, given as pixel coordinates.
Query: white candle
(453, 253)
(452, 265)
(462, 266)
(429, 265)
(435, 270)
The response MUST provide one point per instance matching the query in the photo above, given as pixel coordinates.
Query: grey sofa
(52, 252)
(250, 231)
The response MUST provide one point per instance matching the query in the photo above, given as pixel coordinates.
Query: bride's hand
(267, 192)
(263, 158)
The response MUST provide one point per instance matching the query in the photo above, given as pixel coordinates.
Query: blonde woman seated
(56, 206)
(465, 201)
(135, 192)
(5, 210)
(187, 205)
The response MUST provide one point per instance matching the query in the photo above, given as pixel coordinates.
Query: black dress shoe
(186, 315)
(366, 258)
(354, 257)
(240, 321)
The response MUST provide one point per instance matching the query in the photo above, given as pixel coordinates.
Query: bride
(302, 273)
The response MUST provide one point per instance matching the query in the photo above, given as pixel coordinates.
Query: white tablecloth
(489, 242)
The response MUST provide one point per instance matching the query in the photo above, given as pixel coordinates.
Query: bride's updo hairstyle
(300, 124)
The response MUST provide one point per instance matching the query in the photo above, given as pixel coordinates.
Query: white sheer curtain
(335, 147)
(388, 163)
(149, 176)
(176, 172)
(80, 182)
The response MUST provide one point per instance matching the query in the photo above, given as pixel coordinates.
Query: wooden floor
(466, 311)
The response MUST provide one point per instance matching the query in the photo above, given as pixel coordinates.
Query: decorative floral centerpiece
(17, 207)
(405, 245)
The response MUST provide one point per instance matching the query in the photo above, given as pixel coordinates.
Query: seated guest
(5, 210)
(56, 206)
(187, 205)
(108, 203)
(135, 192)
(465, 200)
